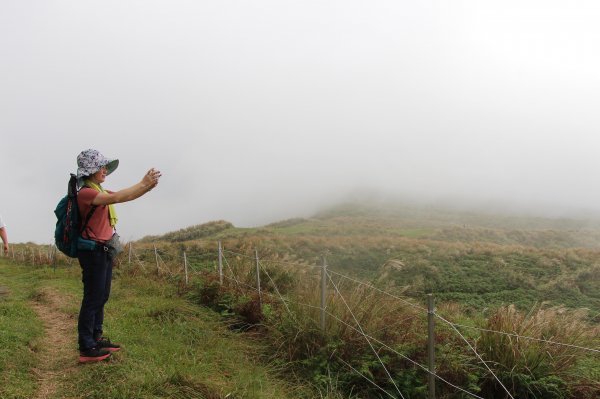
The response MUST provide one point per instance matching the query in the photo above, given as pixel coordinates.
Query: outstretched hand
(151, 178)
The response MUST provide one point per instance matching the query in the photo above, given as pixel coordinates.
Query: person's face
(99, 176)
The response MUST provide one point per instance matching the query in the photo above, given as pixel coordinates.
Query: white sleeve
(1, 223)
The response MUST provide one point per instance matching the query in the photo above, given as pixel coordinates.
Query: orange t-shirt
(98, 227)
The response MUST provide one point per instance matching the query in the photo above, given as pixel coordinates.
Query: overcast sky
(261, 110)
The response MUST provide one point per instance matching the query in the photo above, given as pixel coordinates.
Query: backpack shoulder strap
(88, 217)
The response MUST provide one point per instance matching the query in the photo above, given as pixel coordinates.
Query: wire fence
(244, 271)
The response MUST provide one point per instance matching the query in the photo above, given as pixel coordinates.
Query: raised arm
(148, 182)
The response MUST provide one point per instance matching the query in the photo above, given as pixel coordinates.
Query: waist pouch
(112, 246)
(86, 245)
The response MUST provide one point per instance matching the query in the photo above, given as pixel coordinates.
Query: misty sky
(261, 110)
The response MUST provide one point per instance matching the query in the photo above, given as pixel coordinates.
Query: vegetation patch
(19, 329)
(516, 286)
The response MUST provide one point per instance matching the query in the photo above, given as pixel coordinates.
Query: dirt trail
(56, 350)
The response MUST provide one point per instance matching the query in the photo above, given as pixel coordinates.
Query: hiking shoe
(104, 343)
(94, 354)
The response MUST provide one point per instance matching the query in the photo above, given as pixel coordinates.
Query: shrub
(534, 368)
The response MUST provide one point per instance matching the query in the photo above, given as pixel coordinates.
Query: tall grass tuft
(289, 316)
(537, 368)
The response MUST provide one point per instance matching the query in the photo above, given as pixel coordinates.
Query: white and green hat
(91, 161)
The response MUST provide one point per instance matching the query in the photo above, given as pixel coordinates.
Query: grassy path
(172, 348)
(55, 358)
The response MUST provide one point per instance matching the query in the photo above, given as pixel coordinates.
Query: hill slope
(475, 259)
(172, 349)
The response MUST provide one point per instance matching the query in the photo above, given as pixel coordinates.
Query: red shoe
(94, 354)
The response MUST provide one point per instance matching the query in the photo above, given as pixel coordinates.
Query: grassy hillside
(172, 348)
(531, 277)
(494, 277)
(474, 259)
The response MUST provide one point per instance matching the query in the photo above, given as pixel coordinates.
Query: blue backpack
(67, 233)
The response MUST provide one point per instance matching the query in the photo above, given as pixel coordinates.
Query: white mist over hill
(263, 110)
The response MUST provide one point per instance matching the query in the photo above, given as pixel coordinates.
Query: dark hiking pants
(96, 270)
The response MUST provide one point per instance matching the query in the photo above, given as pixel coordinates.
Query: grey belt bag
(114, 245)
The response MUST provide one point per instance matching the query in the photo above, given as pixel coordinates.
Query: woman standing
(99, 219)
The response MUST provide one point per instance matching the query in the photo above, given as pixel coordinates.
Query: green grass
(473, 264)
(172, 348)
(18, 331)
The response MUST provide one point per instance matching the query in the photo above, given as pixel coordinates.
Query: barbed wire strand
(157, 257)
(383, 344)
(137, 258)
(352, 279)
(237, 253)
(284, 302)
(278, 261)
(172, 274)
(517, 335)
(231, 270)
(365, 336)
(277, 290)
(379, 290)
(304, 265)
(425, 310)
(191, 254)
(240, 283)
(481, 359)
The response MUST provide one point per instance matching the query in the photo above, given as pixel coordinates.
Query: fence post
(156, 257)
(323, 292)
(185, 267)
(431, 346)
(54, 258)
(258, 277)
(220, 264)
(130, 249)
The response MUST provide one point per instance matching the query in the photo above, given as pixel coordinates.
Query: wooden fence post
(156, 257)
(258, 278)
(54, 258)
(323, 292)
(431, 345)
(220, 263)
(185, 267)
